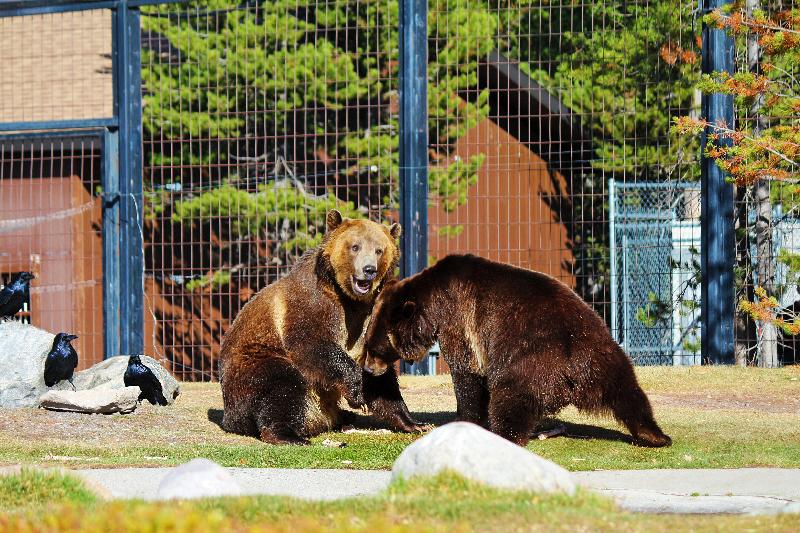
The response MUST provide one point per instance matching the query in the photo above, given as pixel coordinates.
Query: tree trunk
(765, 262)
(744, 326)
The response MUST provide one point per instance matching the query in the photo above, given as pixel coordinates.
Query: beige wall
(56, 67)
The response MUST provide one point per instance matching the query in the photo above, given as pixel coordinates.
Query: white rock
(109, 374)
(96, 400)
(23, 349)
(480, 455)
(199, 478)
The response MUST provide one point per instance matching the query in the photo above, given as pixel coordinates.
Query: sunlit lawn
(716, 416)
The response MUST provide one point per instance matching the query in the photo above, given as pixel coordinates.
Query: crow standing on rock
(14, 295)
(61, 360)
(139, 375)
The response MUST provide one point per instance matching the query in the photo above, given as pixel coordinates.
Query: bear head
(359, 255)
(398, 329)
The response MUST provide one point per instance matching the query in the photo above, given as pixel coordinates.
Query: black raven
(139, 375)
(14, 295)
(61, 360)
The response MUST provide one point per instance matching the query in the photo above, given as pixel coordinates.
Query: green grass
(36, 489)
(444, 503)
(718, 417)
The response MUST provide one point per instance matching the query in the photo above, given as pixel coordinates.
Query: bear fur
(296, 348)
(520, 345)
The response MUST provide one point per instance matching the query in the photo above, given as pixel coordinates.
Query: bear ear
(408, 309)
(395, 230)
(333, 219)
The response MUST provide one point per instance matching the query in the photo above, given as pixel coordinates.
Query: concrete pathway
(736, 491)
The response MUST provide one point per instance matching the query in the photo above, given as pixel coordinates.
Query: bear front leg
(472, 397)
(334, 368)
(382, 395)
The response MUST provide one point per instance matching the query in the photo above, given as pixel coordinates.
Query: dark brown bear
(520, 345)
(297, 347)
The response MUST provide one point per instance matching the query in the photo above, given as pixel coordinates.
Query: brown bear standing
(291, 353)
(520, 345)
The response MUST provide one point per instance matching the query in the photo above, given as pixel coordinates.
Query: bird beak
(71, 337)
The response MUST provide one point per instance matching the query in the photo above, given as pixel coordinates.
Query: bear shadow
(584, 431)
(215, 416)
(573, 430)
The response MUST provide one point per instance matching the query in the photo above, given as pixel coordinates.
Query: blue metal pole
(413, 33)
(717, 236)
(127, 55)
(111, 292)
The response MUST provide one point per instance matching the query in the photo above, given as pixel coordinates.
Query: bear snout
(370, 272)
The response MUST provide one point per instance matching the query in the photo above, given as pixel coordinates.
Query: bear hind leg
(630, 406)
(280, 412)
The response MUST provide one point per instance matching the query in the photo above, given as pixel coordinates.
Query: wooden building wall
(51, 226)
(511, 213)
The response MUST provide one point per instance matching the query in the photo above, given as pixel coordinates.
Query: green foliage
(654, 311)
(218, 279)
(249, 216)
(303, 70)
(627, 79)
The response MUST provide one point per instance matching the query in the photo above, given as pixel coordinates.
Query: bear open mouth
(362, 286)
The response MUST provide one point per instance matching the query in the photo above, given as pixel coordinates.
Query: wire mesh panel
(535, 107)
(50, 225)
(258, 118)
(655, 271)
(56, 66)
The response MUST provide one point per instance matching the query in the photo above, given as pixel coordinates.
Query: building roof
(535, 117)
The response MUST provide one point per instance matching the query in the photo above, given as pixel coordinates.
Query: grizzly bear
(296, 348)
(520, 345)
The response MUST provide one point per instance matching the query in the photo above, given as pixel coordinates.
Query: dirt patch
(196, 415)
(746, 402)
(188, 420)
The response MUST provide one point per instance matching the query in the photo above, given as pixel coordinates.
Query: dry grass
(717, 417)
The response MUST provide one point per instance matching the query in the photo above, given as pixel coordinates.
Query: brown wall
(506, 217)
(51, 226)
(56, 67)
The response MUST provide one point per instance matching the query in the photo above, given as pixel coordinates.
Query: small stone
(199, 478)
(328, 443)
(480, 455)
(103, 401)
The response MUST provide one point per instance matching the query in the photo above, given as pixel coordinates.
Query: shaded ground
(718, 417)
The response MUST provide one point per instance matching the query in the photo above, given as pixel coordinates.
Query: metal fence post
(717, 237)
(413, 34)
(127, 64)
(112, 320)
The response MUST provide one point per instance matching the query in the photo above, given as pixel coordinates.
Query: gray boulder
(23, 349)
(97, 400)
(480, 455)
(199, 478)
(109, 374)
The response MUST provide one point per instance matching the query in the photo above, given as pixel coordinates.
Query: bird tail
(161, 399)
